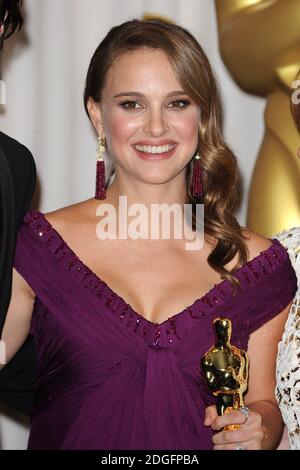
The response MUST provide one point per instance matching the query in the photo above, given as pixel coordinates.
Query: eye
(184, 103)
(128, 104)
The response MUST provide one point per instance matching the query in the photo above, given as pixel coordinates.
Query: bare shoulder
(66, 217)
(255, 242)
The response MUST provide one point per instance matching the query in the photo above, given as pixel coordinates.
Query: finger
(234, 417)
(210, 415)
(244, 433)
(246, 445)
(230, 437)
(233, 446)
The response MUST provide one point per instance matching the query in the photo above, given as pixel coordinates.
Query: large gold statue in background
(260, 45)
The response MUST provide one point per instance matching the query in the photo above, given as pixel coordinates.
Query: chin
(157, 179)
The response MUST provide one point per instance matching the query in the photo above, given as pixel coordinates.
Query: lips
(155, 148)
(156, 143)
(148, 151)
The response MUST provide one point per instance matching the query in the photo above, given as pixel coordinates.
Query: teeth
(155, 149)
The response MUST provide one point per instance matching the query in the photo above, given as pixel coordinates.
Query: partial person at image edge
(288, 359)
(17, 182)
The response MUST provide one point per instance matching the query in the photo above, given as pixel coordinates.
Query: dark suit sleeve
(30, 177)
(18, 377)
(23, 174)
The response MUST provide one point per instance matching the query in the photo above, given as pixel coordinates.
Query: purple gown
(108, 378)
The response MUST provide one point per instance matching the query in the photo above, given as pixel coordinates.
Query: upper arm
(263, 343)
(262, 352)
(18, 319)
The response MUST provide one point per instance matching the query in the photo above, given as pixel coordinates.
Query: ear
(95, 115)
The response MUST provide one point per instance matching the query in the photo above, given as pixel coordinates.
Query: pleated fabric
(110, 379)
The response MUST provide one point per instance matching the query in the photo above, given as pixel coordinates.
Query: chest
(157, 282)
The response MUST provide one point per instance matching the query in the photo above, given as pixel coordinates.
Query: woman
(288, 363)
(288, 360)
(118, 367)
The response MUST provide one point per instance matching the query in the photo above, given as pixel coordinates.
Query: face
(139, 107)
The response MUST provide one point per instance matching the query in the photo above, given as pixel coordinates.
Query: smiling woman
(160, 63)
(120, 325)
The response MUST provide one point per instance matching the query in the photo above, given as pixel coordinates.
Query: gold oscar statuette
(226, 370)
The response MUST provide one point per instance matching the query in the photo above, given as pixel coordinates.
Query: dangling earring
(197, 183)
(100, 171)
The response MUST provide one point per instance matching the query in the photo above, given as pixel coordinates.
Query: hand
(248, 437)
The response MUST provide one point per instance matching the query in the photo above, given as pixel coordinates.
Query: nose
(156, 124)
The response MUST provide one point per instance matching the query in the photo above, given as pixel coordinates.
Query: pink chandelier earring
(197, 183)
(100, 171)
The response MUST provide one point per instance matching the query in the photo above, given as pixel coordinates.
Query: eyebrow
(136, 93)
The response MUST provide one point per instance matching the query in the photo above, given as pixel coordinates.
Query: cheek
(123, 126)
(186, 126)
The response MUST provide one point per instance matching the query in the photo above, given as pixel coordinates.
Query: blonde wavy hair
(219, 165)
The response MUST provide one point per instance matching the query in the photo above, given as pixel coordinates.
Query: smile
(155, 148)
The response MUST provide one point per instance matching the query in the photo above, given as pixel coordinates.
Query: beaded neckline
(157, 333)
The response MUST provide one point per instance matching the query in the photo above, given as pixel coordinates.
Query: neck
(155, 209)
(171, 192)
